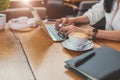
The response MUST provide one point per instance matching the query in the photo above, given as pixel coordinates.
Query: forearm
(81, 19)
(110, 35)
(102, 34)
(106, 34)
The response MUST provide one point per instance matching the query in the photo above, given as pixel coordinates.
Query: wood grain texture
(13, 64)
(47, 57)
(77, 0)
(109, 43)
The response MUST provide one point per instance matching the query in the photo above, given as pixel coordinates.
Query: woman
(110, 9)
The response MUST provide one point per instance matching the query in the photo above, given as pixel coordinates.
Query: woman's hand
(63, 22)
(71, 28)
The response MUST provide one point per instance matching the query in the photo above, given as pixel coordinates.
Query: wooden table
(78, 0)
(13, 62)
(32, 55)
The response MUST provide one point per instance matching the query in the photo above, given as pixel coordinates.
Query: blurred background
(51, 9)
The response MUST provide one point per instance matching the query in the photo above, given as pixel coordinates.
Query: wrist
(85, 31)
(94, 31)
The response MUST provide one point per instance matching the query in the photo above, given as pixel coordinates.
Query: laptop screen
(36, 15)
(50, 30)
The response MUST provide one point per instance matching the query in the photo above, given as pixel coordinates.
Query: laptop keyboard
(54, 33)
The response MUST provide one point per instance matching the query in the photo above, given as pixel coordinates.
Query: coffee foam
(79, 35)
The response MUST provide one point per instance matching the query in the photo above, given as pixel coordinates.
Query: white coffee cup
(2, 21)
(77, 39)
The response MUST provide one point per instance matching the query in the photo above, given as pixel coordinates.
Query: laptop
(48, 28)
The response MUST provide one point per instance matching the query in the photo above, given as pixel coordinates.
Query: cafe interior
(31, 54)
(52, 9)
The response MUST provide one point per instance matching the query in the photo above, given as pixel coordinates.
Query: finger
(63, 30)
(68, 32)
(58, 21)
(64, 21)
(60, 30)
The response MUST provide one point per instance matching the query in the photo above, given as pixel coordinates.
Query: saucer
(21, 23)
(66, 44)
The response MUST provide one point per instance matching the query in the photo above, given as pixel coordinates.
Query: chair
(84, 6)
(55, 9)
(17, 12)
(17, 9)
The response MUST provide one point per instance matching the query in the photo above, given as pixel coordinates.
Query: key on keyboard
(54, 34)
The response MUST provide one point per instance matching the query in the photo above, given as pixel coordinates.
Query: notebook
(49, 29)
(99, 64)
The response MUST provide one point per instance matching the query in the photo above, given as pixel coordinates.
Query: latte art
(79, 35)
